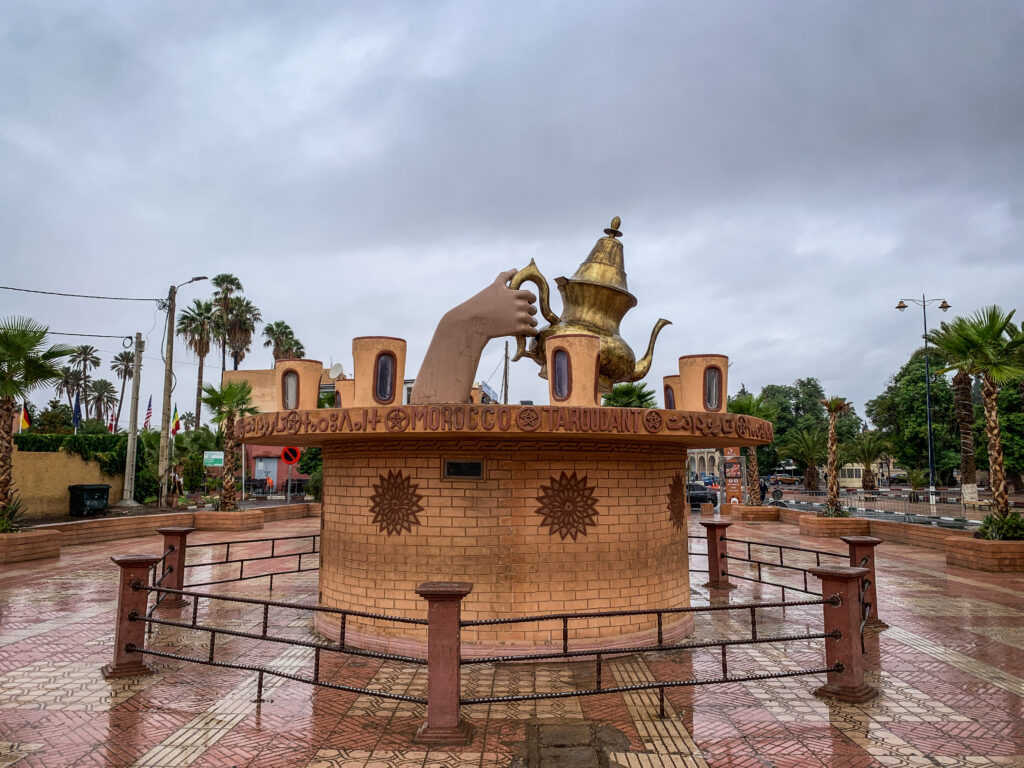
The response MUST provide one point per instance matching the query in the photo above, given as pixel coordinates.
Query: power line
(75, 295)
(91, 336)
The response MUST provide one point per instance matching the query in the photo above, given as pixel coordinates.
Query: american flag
(149, 414)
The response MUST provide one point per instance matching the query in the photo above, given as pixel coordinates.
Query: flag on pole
(149, 414)
(77, 417)
(111, 426)
(26, 419)
(175, 422)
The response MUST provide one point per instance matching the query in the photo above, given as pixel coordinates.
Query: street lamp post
(165, 417)
(944, 306)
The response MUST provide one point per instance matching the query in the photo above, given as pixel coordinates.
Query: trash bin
(88, 499)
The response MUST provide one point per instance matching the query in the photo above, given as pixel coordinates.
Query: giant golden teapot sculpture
(594, 301)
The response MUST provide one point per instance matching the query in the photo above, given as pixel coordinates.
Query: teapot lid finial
(613, 230)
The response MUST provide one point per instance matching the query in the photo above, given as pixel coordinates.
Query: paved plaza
(950, 670)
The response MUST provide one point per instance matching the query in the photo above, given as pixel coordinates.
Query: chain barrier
(314, 549)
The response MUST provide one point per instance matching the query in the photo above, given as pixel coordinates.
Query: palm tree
(124, 366)
(281, 337)
(69, 383)
(834, 407)
(103, 396)
(756, 406)
(866, 448)
(225, 286)
(949, 348)
(809, 447)
(25, 363)
(986, 344)
(230, 402)
(241, 327)
(196, 325)
(188, 421)
(636, 395)
(85, 357)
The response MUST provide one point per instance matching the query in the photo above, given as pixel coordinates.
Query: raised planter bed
(750, 514)
(235, 520)
(29, 545)
(828, 527)
(985, 555)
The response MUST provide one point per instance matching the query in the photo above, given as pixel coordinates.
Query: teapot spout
(643, 365)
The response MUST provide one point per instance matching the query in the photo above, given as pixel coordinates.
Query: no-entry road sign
(290, 455)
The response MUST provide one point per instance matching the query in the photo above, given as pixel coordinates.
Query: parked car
(786, 479)
(698, 493)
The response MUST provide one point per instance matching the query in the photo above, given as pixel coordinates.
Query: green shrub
(193, 473)
(315, 487)
(1009, 528)
(11, 516)
(108, 450)
(147, 484)
(839, 511)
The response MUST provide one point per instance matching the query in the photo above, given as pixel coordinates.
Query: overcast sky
(785, 171)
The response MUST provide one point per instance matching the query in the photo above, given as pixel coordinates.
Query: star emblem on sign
(528, 419)
(397, 420)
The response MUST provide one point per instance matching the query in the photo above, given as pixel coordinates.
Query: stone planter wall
(235, 520)
(930, 536)
(750, 514)
(29, 545)
(92, 530)
(984, 555)
(828, 527)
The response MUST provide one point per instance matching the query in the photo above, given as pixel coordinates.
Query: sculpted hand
(497, 311)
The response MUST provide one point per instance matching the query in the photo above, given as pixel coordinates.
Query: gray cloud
(785, 171)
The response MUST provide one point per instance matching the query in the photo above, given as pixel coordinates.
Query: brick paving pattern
(950, 671)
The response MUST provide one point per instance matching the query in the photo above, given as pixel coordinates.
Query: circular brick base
(511, 534)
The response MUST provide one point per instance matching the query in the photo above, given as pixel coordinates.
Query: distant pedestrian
(763, 488)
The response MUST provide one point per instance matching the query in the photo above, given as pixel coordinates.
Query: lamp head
(902, 305)
(944, 306)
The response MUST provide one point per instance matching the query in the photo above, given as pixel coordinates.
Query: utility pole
(504, 378)
(165, 418)
(128, 499)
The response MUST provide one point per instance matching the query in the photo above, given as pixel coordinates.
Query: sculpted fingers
(526, 295)
(505, 276)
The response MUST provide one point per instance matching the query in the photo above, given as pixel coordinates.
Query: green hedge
(107, 450)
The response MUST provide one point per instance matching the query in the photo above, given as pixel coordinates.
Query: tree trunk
(124, 381)
(6, 450)
(832, 501)
(996, 470)
(811, 478)
(227, 487)
(867, 479)
(963, 407)
(753, 480)
(199, 392)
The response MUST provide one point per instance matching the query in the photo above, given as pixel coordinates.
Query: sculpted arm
(449, 367)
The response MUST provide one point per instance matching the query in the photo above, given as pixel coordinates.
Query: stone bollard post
(849, 684)
(445, 724)
(862, 555)
(177, 538)
(134, 568)
(718, 566)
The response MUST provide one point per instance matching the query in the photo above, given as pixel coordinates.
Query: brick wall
(488, 532)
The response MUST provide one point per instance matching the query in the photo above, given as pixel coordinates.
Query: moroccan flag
(148, 423)
(175, 422)
(26, 420)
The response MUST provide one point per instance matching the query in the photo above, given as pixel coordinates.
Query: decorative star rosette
(567, 506)
(677, 502)
(395, 503)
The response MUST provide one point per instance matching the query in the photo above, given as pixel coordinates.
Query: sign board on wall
(213, 458)
(732, 469)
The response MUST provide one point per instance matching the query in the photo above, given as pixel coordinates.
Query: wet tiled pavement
(950, 671)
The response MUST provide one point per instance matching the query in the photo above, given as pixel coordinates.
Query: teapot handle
(531, 274)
